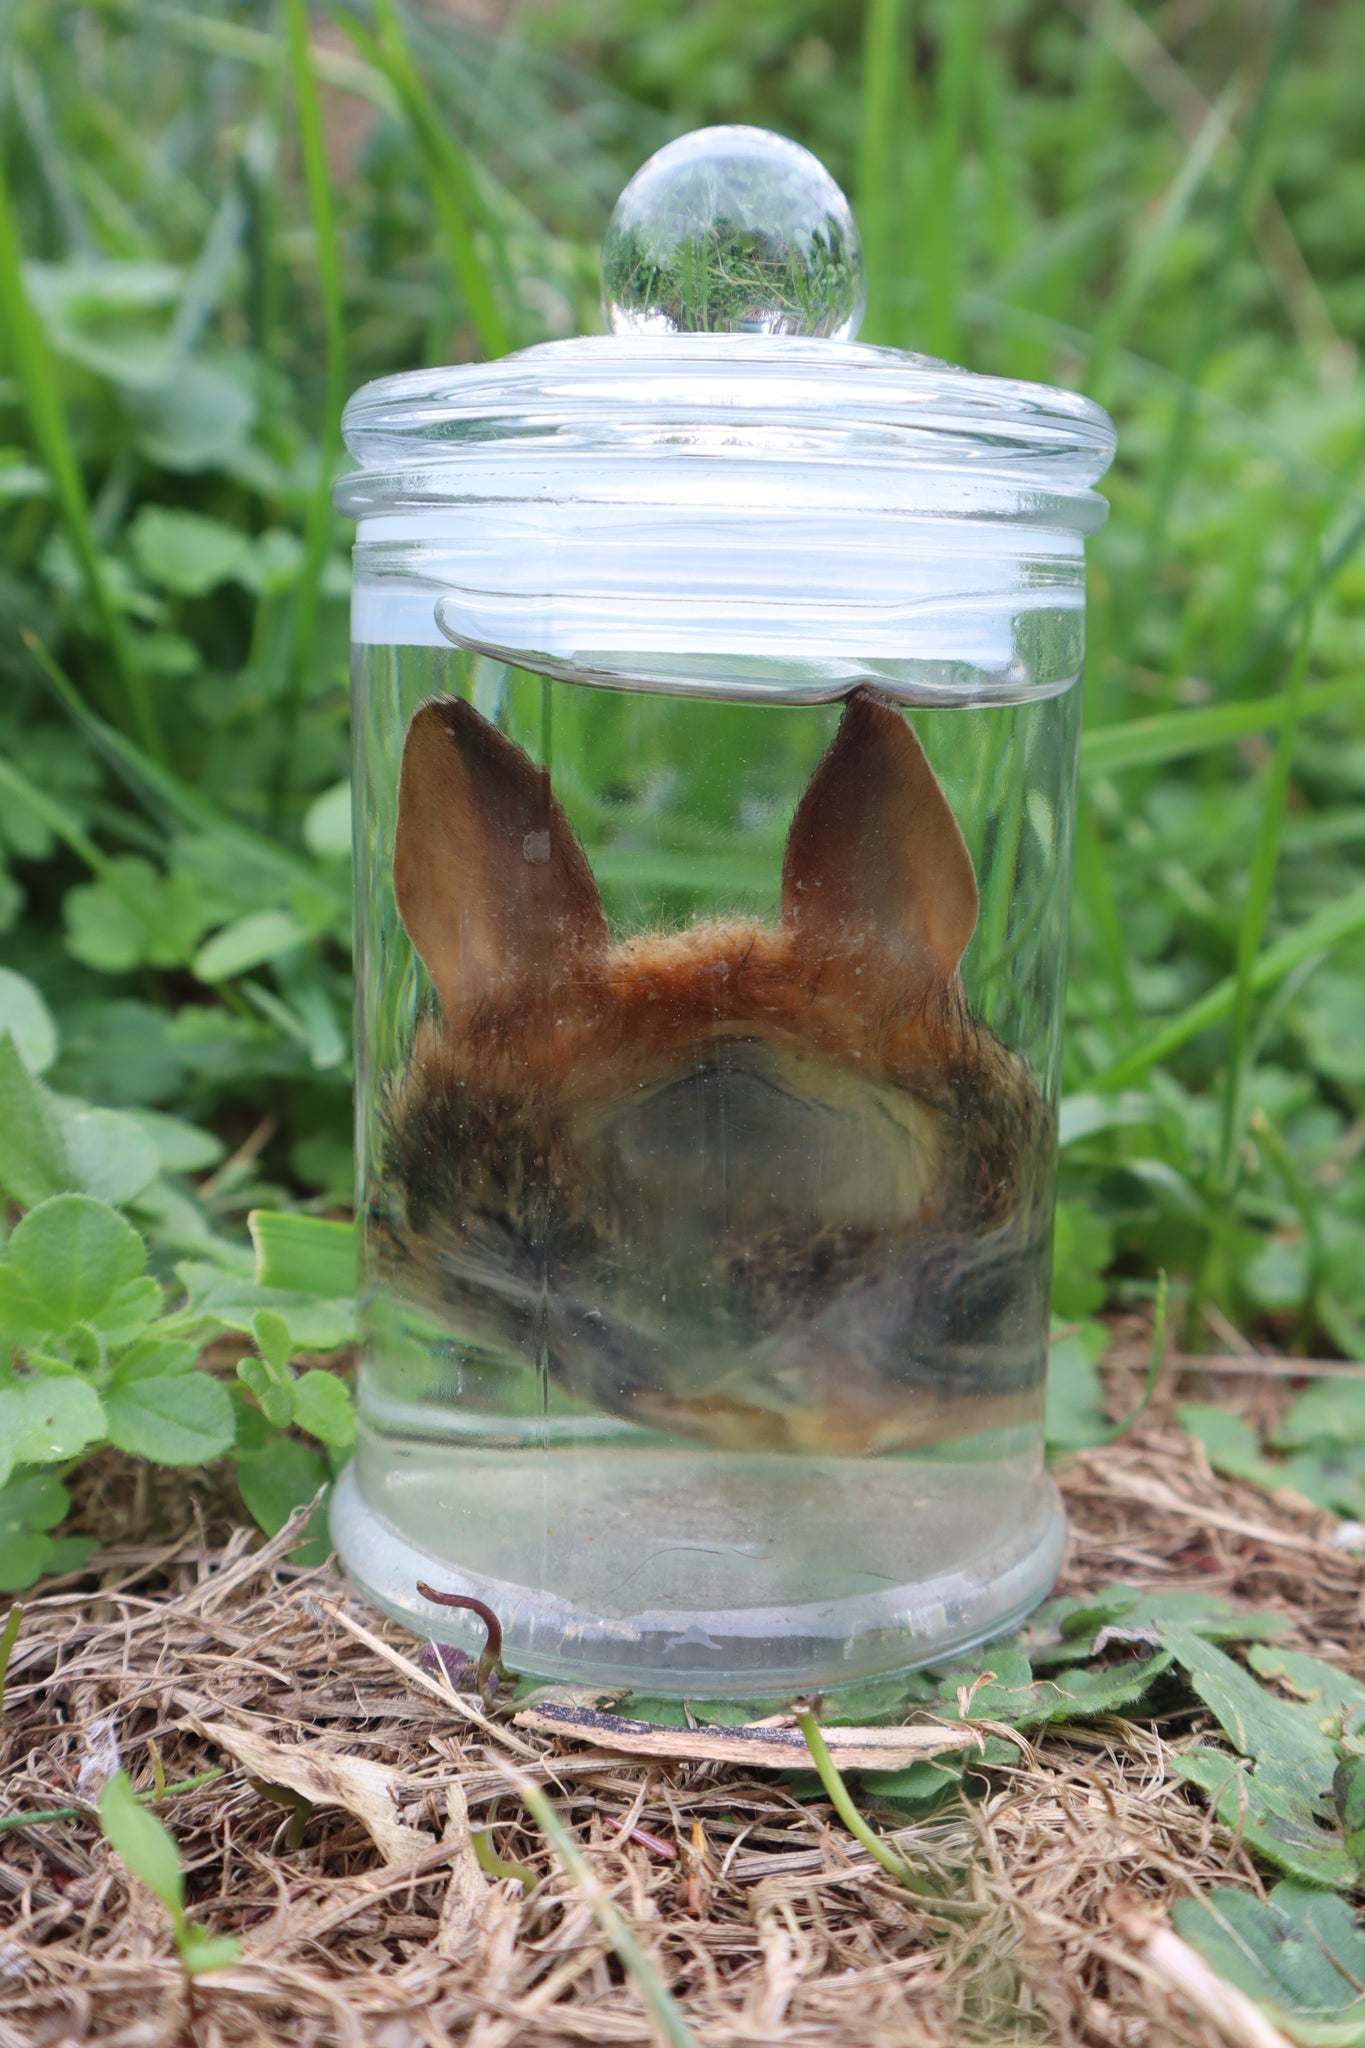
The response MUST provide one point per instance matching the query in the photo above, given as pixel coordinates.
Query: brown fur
(508, 1125)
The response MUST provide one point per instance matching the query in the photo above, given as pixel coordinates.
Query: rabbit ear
(874, 851)
(490, 880)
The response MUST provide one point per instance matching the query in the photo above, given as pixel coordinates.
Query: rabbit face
(759, 1186)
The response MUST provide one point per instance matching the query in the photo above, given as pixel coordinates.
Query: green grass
(214, 220)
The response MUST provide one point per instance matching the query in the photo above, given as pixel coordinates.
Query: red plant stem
(654, 1842)
(492, 1653)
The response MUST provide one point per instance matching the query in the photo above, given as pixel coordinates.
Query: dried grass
(768, 1923)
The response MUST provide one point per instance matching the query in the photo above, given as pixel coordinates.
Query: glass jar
(716, 716)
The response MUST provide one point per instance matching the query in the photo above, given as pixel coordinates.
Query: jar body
(706, 1211)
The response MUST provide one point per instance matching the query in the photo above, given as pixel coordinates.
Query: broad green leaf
(38, 1500)
(29, 1022)
(29, 1507)
(202, 418)
(160, 1357)
(72, 1254)
(33, 1161)
(25, 1554)
(181, 1418)
(143, 1843)
(1278, 1820)
(303, 1254)
(111, 1155)
(1074, 1415)
(248, 942)
(1330, 1474)
(1087, 1116)
(22, 1323)
(1077, 1695)
(273, 1341)
(137, 914)
(327, 823)
(1348, 1796)
(254, 1431)
(1333, 1410)
(922, 1784)
(1254, 1720)
(173, 1219)
(1326, 1688)
(201, 1951)
(110, 929)
(69, 1554)
(1300, 1954)
(1082, 1251)
(129, 1311)
(45, 1417)
(315, 1323)
(1328, 1024)
(181, 1147)
(275, 1394)
(323, 1031)
(275, 1480)
(1064, 1629)
(323, 1406)
(188, 554)
(1230, 1443)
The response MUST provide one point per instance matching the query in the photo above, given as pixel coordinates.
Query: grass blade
(254, 46)
(882, 75)
(1317, 935)
(33, 366)
(840, 1799)
(1180, 440)
(1155, 1360)
(1149, 248)
(1265, 862)
(940, 228)
(63, 826)
(1094, 885)
(1329, 563)
(42, 1815)
(646, 1979)
(191, 808)
(9, 1635)
(318, 526)
(450, 182)
(1146, 742)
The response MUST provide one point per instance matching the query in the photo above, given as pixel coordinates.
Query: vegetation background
(216, 220)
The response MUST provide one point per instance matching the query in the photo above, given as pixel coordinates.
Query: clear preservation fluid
(707, 1126)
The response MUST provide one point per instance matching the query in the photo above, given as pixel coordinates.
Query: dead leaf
(326, 1777)
(761, 1744)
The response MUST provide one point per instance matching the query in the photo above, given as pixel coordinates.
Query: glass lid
(728, 493)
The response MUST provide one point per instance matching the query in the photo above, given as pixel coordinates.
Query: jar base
(951, 1596)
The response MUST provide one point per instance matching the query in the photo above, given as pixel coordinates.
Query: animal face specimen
(763, 1186)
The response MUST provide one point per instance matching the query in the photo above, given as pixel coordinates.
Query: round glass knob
(733, 231)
